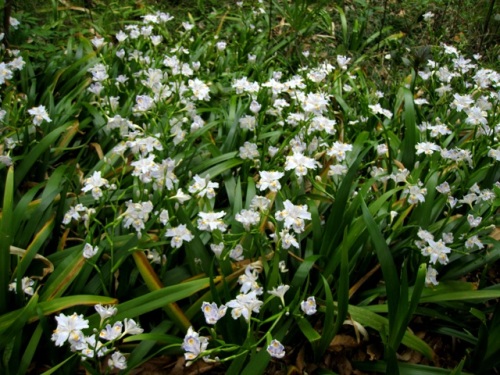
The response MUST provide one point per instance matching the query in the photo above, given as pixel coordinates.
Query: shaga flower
(338, 150)
(294, 216)
(105, 311)
(280, 292)
(143, 103)
(427, 16)
(89, 251)
(131, 327)
(5, 73)
(179, 235)
(427, 148)
(68, 326)
(89, 346)
(249, 151)
(260, 203)
(244, 305)
(415, 193)
(26, 286)
(117, 360)
(443, 188)
(136, 215)
(474, 221)
(247, 218)
(193, 345)
(337, 170)
(249, 279)
(288, 239)
(437, 250)
(343, 61)
(309, 306)
(282, 266)
(236, 254)
(200, 89)
(270, 180)
(203, 186)
(94, 184)
(217, 249)
(474, 241)
(377, 109)
(300, 163)
(248, 122)
(180, 196)
(164, 217)
(39, 115)
(315, 103)
(430, 276)
(111, 333)
(212, 312)
(79, 212)
(211, 221)
(146, 169)
(494, 153)
(276, 349)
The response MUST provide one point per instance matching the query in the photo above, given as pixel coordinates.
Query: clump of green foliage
(208, 187)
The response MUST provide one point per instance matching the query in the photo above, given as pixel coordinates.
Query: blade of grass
(51, 307)
(37, 151)
(328, 324)
(6, 239)
(7, 332)
(370, 319)
(406, 368)
(392, 283)
(386, 261)
(158, 299)
(407, 153)
(153, 282)
(140, 352)
(33, 248)
(342, 288)
(30, 350)
(472, 296)
(64, 274)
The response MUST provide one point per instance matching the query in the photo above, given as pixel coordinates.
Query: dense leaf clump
(246, 188)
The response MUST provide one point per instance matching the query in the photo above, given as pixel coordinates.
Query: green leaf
(140, 353)
(33, 248)
(408, 151)
(63, 276)
(329, 328)
(37, 151)
(56, 305)
(153, 282)
(342, 288)
(303, 271)
(386, 263)
(16, 324)
(57, 367)
(406, 368)
(368, 318)
(471, 296)
(159, 298)
(307, 329)
(30, 350)
(156, 337)
(6, 237)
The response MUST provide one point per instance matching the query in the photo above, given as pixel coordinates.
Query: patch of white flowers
(71, 330)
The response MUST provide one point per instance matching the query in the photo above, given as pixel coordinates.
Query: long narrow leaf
(154, 283)
(6, 239)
